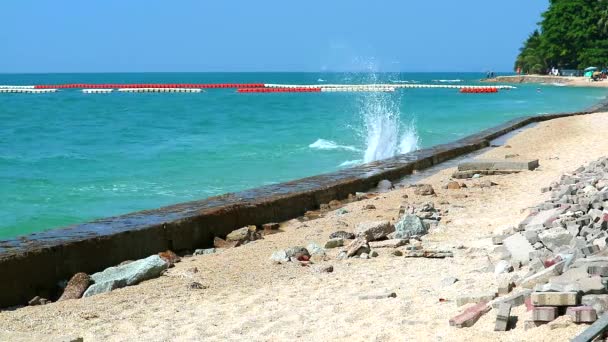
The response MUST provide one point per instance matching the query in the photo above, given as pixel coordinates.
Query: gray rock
(334, 243)
(279, 257)
(323, 269)
(315, 249)
(598, 302)
(555, 237)
(409, 225)
(374, 230)
(424, 190)
(342, 235)
(205, 251)
(297, 252)
(126, 275)
(543, 276)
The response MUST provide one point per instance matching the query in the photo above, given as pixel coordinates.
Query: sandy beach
(247, 297)
(565, 80)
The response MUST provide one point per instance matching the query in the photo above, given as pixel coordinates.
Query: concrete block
(475, 298)
(598, 302)
(469, 316)
(555, 298)
(544, 219)
(502, 318)
(500, 165)
(544, 313)
(515, 299)
(519, 247)
(543, 276)
(505, 286)
(555, 237)
(598, 270)
(582, 314)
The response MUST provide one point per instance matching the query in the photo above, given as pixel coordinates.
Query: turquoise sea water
(70, 157)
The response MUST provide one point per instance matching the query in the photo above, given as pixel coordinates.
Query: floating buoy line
(242, 88)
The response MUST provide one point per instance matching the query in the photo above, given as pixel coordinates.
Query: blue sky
(263, 35)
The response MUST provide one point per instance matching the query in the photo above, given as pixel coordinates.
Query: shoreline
(248, 297)
(191, 225)
(546, 79)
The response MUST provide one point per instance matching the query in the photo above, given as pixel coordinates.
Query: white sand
(249, 298)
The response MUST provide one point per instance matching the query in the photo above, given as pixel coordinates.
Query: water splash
(322, 144)
(385, 134)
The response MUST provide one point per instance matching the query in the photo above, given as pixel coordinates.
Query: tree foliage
(573, 34)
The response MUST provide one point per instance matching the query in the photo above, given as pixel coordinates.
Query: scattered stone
(502, 318)
(221, 243)
(196, 286)
(243, 235)
(76, 286)
(409, 225)
(476, 298)
(342, 235)
(297, 252)
(582, 314)
(380, 295)
(364, 256)
(38, 301)
(169, 257)
(470, 315)
(543, 276)
(544, 313)
(554, 298)
(373, 254)
(357, 247)
(393, 243)
(369, 207)
(428, 254)
(499, 165)
(333, 205)
(334, 243)
(126, 275)
(205, 251)
(555, 237)
(397, 252)
(424, 190)
(375, 230)
(453, 185)
(271, 226)
(323, 269)
(279, 257)
(314, 249)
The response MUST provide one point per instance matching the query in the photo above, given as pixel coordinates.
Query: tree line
(573, 34)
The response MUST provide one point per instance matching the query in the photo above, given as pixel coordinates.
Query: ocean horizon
(69, 157)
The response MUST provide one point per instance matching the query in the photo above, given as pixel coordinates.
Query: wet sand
(249, 298)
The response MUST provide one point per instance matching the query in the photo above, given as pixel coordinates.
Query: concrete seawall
(33, 265)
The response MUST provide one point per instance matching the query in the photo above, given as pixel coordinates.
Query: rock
(393, 243)
(397, 252)
(357, 247)
(448, 281)
(244, 235)
(503, 266)
(453, 185)
(221, 243)
(369, 207)
(374, 230)
(598, 302)
(334, 204)
(297, 252)
(38, 301)
(409, 225)
(364, 256)
(379, 295)
(555, 237)
(424, 190)
(334, 243)
(271, 226)
(323, 269)
(196, 286)
(131, 274)
(76, 286)
(342, 235)
(385, 185)
(373, 254)
(519, 248)
(314, 249)
(484, 184)
(205, 251)
(279, 257)
(169, 257)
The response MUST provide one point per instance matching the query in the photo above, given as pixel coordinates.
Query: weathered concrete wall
(32, 265)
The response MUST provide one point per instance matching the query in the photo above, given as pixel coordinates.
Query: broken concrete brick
(515, 299)
(544, 313)
(543, 276)
(502, 318)
(505, 285)
(601, 271)
(469, 316)
(555, 237)
(394, 243)
(544, 219)
(598, 302)
(555, 298)
(498, 165)
(475, 298)
(582, 314)
(590, 250)
(557, 287)
(519, 247)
